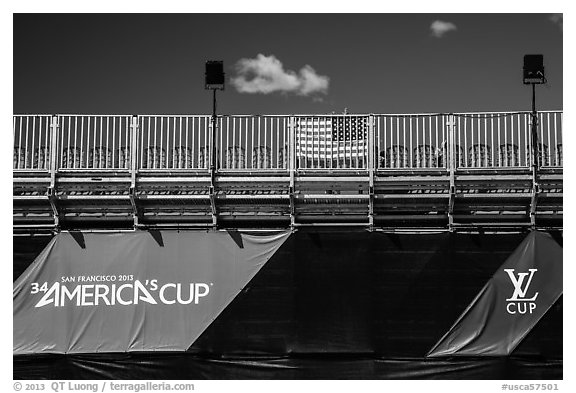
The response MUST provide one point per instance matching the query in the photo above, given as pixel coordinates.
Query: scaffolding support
(213, 166)
(371, 166)
(451, 132)
(535, 160)
(51, 191)
(292, 170)
(123, 194)
(134, 127)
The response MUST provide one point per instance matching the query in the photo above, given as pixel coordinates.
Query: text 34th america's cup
(111, 290)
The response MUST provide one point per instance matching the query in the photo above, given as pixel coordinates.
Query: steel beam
(292, 171)
(51, 193)
(451, 132)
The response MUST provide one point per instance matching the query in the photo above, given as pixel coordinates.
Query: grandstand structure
(389, 172)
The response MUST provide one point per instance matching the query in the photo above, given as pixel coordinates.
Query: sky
(283, 63)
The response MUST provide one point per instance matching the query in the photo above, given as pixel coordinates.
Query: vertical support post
(51, 192)
(134, 126)
(534, 130)
(213, 135)
(371, 168)
(535, 159)
(452, 164)
(213, 159)
(292, 169)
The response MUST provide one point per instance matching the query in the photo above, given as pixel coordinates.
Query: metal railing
(550, 136)
(497, 140)
(173, 142)
(411, 141)
(493, 140)
(253, 143)
(87, 142)
(32, 141)
(280, 143)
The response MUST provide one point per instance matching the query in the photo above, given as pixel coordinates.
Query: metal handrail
(287, 143)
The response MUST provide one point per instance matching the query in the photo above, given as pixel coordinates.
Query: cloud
(439, 28)
(557, 19)
(266, 74)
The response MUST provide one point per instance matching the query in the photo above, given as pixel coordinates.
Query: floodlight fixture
(534, 70)
(214, 75)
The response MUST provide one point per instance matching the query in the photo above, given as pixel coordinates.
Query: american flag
(332, 141)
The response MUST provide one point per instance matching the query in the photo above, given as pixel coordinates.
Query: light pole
(534, 75)
(214, 81)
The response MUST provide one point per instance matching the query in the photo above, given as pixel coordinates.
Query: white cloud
(266, 74)
(439, 28)
(557, 19)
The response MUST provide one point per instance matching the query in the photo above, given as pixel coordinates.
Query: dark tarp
(364, 293)
(341, 304)
(184, 366)
(135, 291)
(510, 304)
(25, 250)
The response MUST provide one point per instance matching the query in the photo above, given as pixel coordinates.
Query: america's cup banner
(507, 308)
(132, 291)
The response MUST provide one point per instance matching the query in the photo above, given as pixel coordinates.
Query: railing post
(212, 143)
(562, 137)
(452, 164)
(213, 163)
(371, 169)
(54, 127)
(134, 126)
(292, 169)
(54, 137)
(535, 156)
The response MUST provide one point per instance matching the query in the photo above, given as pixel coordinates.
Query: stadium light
(533, 74)
(534, 70)
(214, 80)
(214, 76)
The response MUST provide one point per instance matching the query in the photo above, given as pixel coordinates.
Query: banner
(132, 291)
(510, 304)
